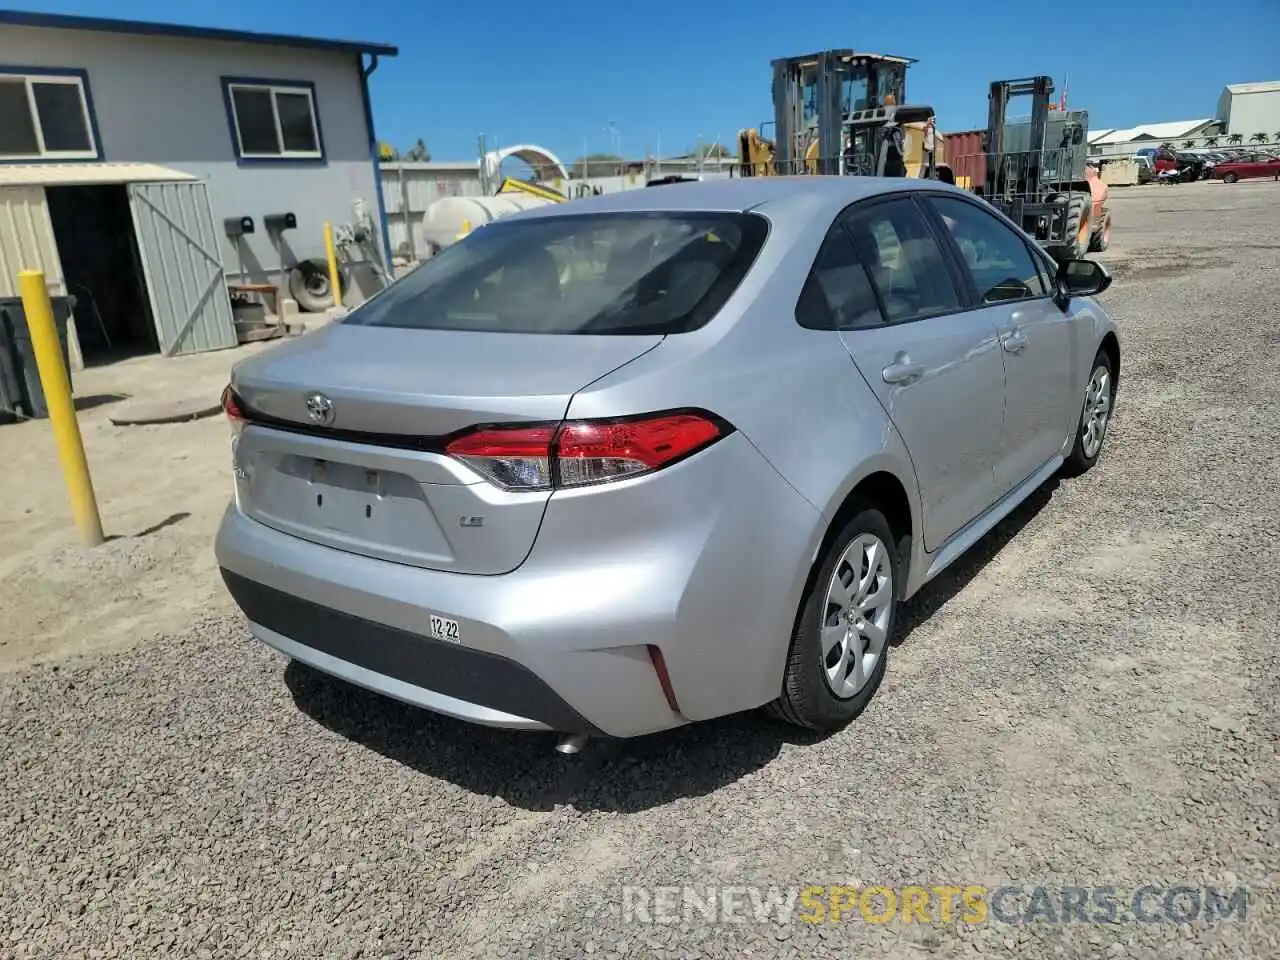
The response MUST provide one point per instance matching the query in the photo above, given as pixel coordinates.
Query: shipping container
(966, 158)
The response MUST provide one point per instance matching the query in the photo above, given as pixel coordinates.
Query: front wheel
(1099, 242)
(1230, 177)
(840, 645)
(1076, 237)
(1095, 416)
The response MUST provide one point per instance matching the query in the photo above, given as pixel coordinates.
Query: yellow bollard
(331, 255)
(62, 410)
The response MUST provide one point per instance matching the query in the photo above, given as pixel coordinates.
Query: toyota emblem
(320, 409)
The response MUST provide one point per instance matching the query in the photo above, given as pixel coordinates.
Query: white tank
(449, 216)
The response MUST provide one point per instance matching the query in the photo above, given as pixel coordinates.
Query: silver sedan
(620, 464)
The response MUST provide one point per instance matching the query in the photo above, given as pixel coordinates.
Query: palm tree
(1188, 144)
(1211, 141)
(1258, 138)
(1276, 136)
(1235, 139)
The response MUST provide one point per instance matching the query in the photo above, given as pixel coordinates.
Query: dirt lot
(1089, 699)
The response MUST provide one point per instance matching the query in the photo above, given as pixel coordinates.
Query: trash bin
(21, 393)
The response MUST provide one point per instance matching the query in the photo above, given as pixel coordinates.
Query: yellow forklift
(841, 112)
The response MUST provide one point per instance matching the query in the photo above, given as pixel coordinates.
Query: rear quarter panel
(794, 395)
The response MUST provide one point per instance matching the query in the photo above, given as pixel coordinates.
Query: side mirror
(1081, 278)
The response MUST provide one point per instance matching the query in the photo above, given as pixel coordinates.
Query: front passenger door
(1040, 342)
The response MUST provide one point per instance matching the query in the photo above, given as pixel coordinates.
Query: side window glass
(903, 259)
(1047, 272)
(997, 257)
(838, 295)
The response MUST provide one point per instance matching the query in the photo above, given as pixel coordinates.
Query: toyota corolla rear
(419, 510)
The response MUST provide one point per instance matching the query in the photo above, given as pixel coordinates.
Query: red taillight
(583, 452)
(231, 404)
(231, 408)
(592, 452)
(518, 458)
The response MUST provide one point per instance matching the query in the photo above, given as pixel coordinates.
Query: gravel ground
(1089, 699)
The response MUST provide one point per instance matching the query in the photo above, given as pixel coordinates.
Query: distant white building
(1116, 143)
(1250, 108)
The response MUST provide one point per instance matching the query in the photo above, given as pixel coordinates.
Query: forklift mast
(1014, 168)
(1035, 170)
(814, 95)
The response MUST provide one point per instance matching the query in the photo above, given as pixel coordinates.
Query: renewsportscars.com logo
(967, 903)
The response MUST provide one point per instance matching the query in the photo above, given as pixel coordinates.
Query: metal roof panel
(57, 21)
(75, 174)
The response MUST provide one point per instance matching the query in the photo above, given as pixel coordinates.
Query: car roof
(734, 195)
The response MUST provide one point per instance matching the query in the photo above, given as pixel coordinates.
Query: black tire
(1101, 238)
(309, 286)
(1080, 461)
(1230, 177)
(1078, 207)
(807, 699)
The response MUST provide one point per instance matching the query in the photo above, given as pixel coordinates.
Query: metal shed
(178, 244)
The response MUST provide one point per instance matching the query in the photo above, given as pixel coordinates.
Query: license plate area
(356, 501)
(350, 505)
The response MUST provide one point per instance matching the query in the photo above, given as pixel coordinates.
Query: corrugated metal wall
(26, 239)
(966, 158)
(181, 253)
(408, 189)
(415, 186)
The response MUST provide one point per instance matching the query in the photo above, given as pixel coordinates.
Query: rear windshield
(593, 274)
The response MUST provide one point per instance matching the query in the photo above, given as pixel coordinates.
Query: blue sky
(683, 69)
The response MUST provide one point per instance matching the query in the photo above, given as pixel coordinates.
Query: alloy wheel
(1097, 410)
(858, 608)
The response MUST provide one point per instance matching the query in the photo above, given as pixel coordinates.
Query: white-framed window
(45, 115)
(274, 120)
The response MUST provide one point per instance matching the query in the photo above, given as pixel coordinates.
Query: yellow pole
(331, 255)
(62, 411)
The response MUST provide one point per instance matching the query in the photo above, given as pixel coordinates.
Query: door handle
(902, 370)
(1015, 341)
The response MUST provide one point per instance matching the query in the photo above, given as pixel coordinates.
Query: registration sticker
(442, 628)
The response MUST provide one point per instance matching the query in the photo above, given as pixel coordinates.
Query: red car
(1162, 159)
(1254, 165)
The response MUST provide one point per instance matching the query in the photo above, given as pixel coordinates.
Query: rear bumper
(447, 678)
(704, 560)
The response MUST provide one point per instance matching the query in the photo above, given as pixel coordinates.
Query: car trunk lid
(345, 434)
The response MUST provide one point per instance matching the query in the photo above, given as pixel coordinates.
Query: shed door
(26, 239)
(181, 257)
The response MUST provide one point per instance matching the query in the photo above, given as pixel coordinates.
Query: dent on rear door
(949, 416)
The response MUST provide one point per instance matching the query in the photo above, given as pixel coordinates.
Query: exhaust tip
(571, 744)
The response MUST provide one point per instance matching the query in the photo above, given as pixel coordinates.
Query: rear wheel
(840, 645)
(1230, 177)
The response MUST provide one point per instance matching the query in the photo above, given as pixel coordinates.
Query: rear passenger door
(1041, 343)
(935, 368)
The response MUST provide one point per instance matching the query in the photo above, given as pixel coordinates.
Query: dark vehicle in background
(1191, 167)
(1247, 166)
